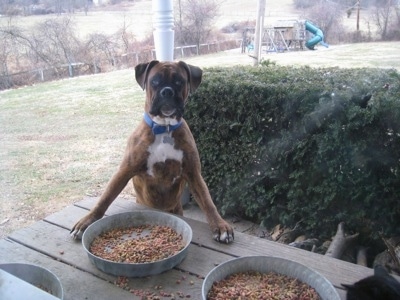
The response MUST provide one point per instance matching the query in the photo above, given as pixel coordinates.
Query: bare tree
(383, 14)
(86, 6)
(301, 4)
(15, 50)
(328, 17)
(128, 38)
(6, 52)
(51, 43)
(9, 8)
(25, 43)
(101, 47)
(58, 6)
(194, 21)
(55, 39)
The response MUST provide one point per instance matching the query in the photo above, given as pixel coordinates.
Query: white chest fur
(161, 150)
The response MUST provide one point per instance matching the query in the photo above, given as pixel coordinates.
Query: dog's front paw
(224, 233)
(78, 229)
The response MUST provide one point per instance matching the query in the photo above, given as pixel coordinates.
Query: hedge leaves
(315, 146)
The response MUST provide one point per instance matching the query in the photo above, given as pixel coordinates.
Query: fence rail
(127, 60)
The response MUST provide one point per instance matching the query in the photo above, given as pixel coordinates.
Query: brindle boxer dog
(161, 155)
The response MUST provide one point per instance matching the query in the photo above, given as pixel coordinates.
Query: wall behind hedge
(315, 146)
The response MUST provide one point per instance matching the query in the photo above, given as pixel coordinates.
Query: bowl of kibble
(28, 281)
(137, 244)
(266, 277)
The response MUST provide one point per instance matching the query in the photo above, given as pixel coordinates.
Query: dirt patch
(16, 215)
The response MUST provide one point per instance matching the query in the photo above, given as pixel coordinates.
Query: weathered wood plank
(76, 284)
(54, 241)
(336, 271)
(71, 214)
(203, 254)
(67, 217)
(197, 262)
(124, 204)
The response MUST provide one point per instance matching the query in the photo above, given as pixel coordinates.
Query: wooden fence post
(259, 31)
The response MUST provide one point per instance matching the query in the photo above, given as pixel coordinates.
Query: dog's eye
(178, 82)
(155, 82)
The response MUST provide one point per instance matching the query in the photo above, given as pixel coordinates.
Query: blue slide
(318, 36)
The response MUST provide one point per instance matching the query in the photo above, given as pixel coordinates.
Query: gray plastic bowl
(265, 264)
(132, 219)
(35, 275)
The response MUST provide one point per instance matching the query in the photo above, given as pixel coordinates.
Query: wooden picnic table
(47, 243)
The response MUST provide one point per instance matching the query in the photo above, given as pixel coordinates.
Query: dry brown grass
(62, 140)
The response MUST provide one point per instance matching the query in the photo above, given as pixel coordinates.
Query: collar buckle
(159, 129)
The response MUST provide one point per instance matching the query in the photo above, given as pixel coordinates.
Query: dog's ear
(141, 71)
(194, 75)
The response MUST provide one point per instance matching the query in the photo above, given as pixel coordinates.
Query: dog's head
(379, 286)
(167, 85)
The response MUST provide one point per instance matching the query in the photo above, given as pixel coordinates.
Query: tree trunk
(340, 242)
(362, 257)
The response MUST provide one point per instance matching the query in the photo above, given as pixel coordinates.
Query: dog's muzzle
(167, 92)
(167, 104)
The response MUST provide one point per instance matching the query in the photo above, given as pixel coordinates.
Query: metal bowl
(133, 219)
(31, 279)
(265, 264)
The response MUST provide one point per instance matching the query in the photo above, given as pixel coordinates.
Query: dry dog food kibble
(141, 244)
(43, 288)
(255, 285)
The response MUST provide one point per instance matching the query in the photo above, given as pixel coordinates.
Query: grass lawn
(61, 140)
(370, 55)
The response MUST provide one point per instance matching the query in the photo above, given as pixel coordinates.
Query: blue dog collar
(159, 129)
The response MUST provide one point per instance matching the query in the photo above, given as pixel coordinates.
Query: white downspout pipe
(163, 23)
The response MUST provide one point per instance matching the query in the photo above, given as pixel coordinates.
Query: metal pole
(259, 31)
(163, 23)
(358, 14)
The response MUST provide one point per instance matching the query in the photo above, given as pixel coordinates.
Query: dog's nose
(167, 92)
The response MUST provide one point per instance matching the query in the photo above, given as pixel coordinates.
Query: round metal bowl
(265, 264)
(133, 219)
(36, 276)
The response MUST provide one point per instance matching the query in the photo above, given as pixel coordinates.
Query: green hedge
(315, 146)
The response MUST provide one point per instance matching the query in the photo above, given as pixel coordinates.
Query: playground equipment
(291, 35)
(285, 35)
(318, 36)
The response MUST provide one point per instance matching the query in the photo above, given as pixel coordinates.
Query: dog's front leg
(222, 231)
(113, 189)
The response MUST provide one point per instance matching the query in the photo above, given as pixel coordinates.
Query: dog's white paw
(76, 234)
(224, 237)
